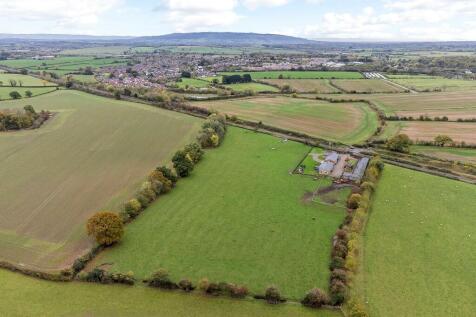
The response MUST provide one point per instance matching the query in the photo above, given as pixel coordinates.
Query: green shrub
(132, 207)
(315, 298)
(186, 285)
(182, 163)
(106, 227)
(272, 295)
(338, 292)
(353, 201)
(194, 150)
(168, 173)
(161, 279)
(337, 263)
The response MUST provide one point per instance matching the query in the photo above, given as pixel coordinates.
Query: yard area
(240, 218)
(342, 122)
(90, 156)
(420, 247)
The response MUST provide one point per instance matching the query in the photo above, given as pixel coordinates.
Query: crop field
(90, 156)
(300, 74)
(238, 218)
(427, 131)
(366, 86)
(343, 122)
(419, 246)
(447, 153)
(5, 91)
(22, 80)
(432, 83)
(88, 299)
(63, 65)
(305, 85)
(454, 105)
(256, 87)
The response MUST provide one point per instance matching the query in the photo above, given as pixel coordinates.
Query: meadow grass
(192, 82)
(447, 153)
(5, 92)
(431, 83)
(420, 246)
(92, 155)
(24, 79)
(27, 296)
(238, 218)
(343, 122)
(256, 87)
(299, 74)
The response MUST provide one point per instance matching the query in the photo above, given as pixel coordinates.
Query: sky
(393, 20)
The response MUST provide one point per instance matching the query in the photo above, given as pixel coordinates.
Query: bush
(182, 163)
(161, 279)
(315, 298)
(338, 292)
(357, 309)
(203, 284)
(339, 274)
(238, 291)
(186, 285)
(106, 227)
(353, 201)
(339, 249)
(272, 295)
(167, 172)
(399, 143)
(159, 177)
(337, 263)
(132, 208)
(15, 95)
(208, 287)
(194, 150)
(368, 186)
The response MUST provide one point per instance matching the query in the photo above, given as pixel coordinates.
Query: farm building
(332, 157)
(326, 168)
(358, 171)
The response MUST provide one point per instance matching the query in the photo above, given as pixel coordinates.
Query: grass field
(305, 85)
(300, 74)
(26, 296)
(89, 157)
(391, 129)
(427, 131)
(239, 218)
(65, 64)
(256, 87)
(193, 83)
(5, 91)
(456, 104)
(447, 153)
(343, 122)
(84, 78)
(420, 246)
(366, 86)
(25, 80)
(432, 83)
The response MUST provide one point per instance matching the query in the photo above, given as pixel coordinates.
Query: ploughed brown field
(366, 86)
(92, 155)
(342, 122)
(322, 86)
(454, 105)
(427, 131)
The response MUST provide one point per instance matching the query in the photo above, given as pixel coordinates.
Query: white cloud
(254, 4)
(187, 15)
(61, 12)
(401, 19)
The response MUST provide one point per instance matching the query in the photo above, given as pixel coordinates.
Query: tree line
(27, 118)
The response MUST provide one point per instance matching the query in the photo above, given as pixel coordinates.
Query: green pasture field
(27, 296)
(5, 91)
(192, 82)
(299, 74)
(92, 155)
(238, 218)
(366, 86)
(343, 122)
(305, 85)
(454, 104)
(420, 246)
(84, 78)
(256, 87)
(24, 79)
(447, 153)
(391, 129)
(64, 65)
(432, 83)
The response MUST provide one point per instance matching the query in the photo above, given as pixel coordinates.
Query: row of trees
(401, 143)
(236, 79)
(108, 227)
(27, 118)
(419, 118)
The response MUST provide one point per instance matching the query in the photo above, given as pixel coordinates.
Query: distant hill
(221, 38)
